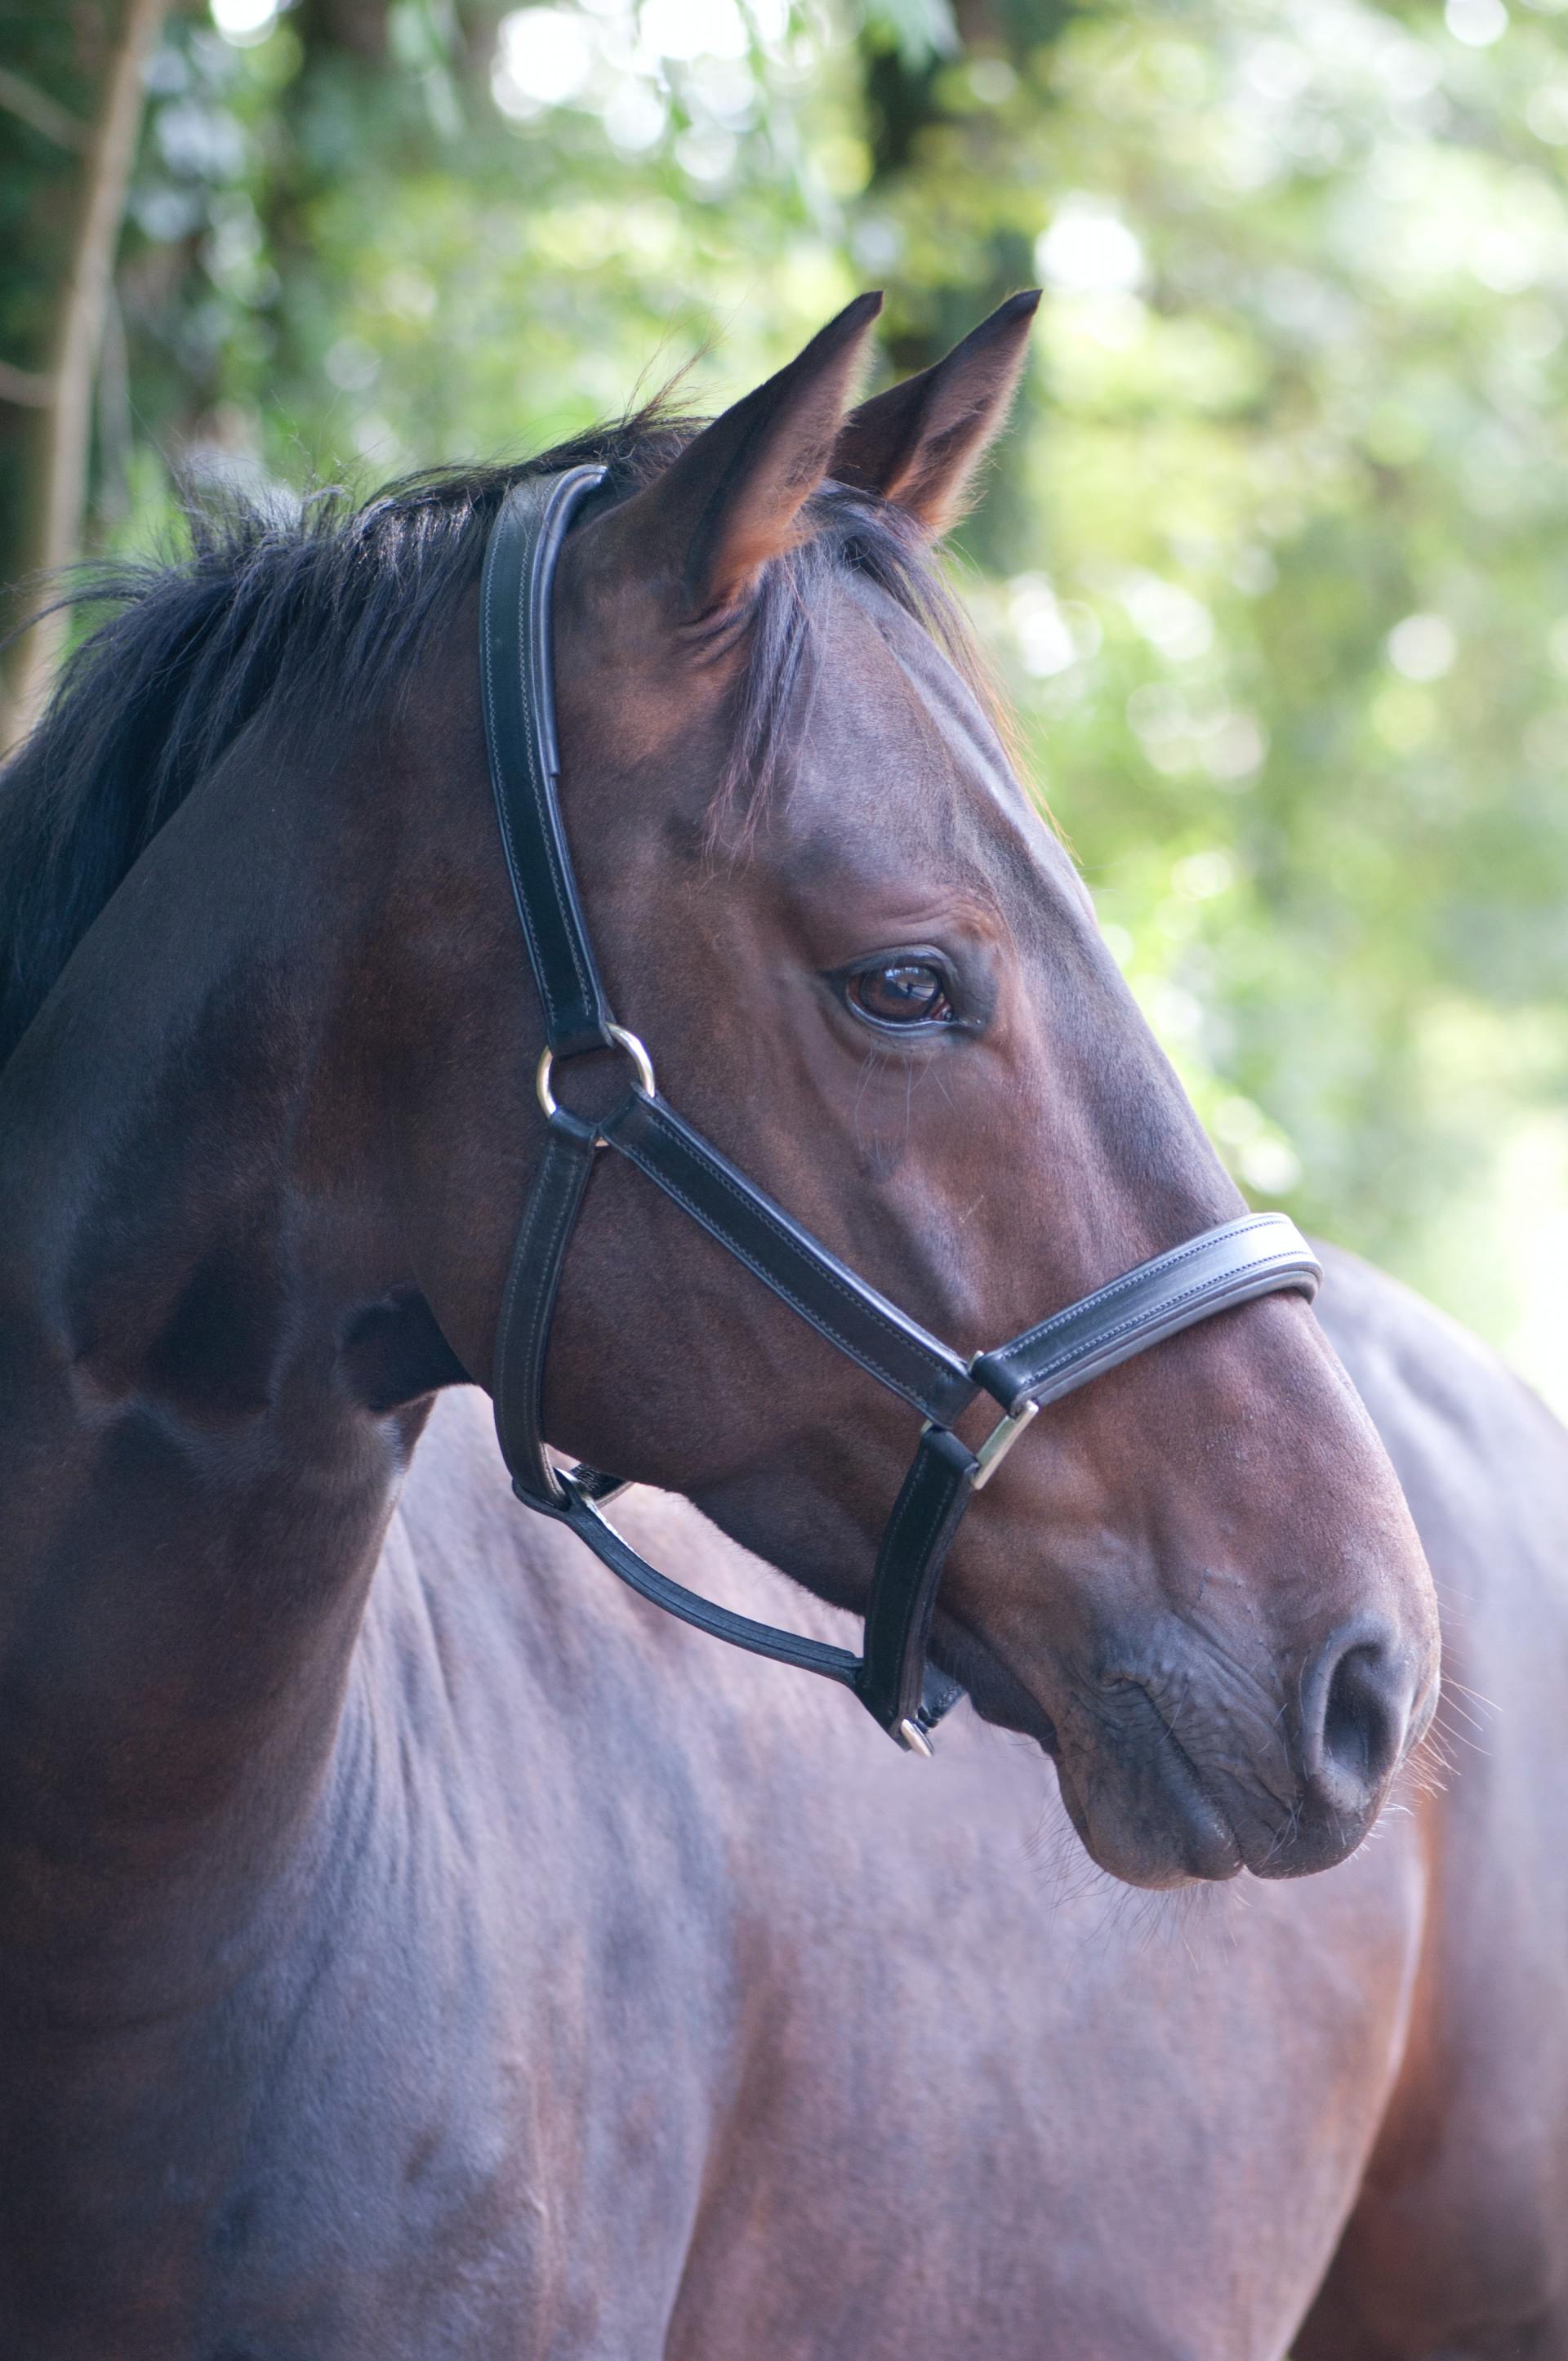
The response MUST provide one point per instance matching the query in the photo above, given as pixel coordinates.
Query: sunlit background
(1276, 565)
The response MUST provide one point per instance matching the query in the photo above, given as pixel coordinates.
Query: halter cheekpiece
(1233, 1264)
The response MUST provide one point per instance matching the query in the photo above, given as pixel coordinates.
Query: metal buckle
(999, 1442)
(623, 1041)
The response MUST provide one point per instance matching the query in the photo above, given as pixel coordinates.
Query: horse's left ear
(702, 531)
(919, 443)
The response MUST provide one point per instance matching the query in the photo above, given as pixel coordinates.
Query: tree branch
(28, 388)
(60, 499)
(36, 109)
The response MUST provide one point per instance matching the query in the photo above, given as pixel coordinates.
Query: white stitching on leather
(734, 1245)
(535, 784)
(531, 1359)
(727, 1238)
(527, 648)
(744, 1197)
(1065, 1360)
(1139, 1278)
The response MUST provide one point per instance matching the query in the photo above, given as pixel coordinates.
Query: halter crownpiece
(1235, 1263)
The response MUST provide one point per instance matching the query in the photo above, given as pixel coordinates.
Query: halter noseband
(1233, 1264)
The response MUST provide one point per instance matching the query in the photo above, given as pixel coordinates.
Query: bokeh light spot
(1476, 23)
(1423, 647)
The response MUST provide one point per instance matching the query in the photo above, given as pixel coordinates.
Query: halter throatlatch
(1233, 1264)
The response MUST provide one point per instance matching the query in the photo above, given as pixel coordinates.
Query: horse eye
(905, 992)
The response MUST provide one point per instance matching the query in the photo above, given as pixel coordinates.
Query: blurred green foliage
(1276, 565)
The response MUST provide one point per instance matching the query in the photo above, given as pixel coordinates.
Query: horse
(415, 1946)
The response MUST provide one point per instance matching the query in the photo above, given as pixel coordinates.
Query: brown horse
(412, 1945)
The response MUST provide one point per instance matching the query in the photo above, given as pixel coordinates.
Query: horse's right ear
(702, 531)
(919, 443)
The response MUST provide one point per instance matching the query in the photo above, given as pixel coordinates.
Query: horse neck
(203, 1413)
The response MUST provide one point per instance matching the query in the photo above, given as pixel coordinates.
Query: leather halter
(1230, 1265)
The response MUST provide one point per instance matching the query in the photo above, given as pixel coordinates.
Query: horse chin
(1177, 1838)
(1139, 1811)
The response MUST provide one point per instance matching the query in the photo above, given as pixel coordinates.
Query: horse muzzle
(1170, 1779)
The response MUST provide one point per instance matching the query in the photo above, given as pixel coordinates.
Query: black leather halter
(1230, 1265)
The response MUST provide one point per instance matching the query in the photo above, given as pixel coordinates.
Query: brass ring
(623, 1041)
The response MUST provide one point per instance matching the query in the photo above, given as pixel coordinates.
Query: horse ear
(919, 443)
(733, 498)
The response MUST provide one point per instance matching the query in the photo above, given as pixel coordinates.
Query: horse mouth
(1187, 1841)
(1137, 1804)
(1142, 1813)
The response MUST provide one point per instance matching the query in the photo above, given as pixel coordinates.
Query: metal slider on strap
(1000, 1442)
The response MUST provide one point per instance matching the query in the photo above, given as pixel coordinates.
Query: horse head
(868, 970)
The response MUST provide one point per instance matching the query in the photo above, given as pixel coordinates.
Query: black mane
(325, 611)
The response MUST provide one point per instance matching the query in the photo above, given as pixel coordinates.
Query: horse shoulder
(844, 1954)
(1461, 2216)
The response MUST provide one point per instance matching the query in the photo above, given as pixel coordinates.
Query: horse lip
(1203, 1847)
(1223, 1852)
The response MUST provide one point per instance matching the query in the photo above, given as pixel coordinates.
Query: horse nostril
(1355, 1713)
(1356, 1721)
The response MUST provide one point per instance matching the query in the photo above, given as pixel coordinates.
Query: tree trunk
(58, 499)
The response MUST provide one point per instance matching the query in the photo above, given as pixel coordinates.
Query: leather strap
(518, 686)
(759, 1233)
(895, 1683)
(528, 1304)
(578, 1511)
(1233, 1264)
(892, 1679)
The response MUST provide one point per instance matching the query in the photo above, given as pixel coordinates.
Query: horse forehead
(879, 676)
(890, 711)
